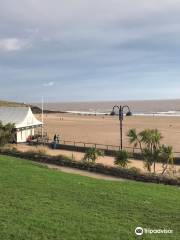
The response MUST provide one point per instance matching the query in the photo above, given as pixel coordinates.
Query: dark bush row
(132, 174)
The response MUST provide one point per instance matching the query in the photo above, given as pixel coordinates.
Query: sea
(138, 108)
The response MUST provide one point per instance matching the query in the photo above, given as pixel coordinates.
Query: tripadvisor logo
(139, 231)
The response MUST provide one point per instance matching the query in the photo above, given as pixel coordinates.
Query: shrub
(9, 147)
(6, 133)
(41, 151)
(121, 158)
(36, 152)
(135, 170)
(92, 154)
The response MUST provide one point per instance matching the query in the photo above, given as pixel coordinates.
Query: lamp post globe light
(121, 110)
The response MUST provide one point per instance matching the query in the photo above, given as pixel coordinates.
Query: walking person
(55, 137)
(54, 142)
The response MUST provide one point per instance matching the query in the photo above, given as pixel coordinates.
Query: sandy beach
(105, 129)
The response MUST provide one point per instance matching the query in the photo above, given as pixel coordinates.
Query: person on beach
(55, 137)
(54, 142)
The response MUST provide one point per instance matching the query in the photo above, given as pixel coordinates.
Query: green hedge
(61, 160)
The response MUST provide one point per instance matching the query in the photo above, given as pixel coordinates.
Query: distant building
(24, 120)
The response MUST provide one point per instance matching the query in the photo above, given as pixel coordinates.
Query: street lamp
(121, 116)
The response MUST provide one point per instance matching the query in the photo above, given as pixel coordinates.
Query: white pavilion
(24, 120)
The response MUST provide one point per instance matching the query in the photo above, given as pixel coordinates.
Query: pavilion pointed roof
(20, 116)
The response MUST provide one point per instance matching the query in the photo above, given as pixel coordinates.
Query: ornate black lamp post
(121, 116)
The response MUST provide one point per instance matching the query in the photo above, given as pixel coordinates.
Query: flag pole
(42, 117)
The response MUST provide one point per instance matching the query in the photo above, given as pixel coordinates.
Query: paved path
(82, 172)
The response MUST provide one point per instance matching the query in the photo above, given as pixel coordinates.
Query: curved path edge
(82, 172)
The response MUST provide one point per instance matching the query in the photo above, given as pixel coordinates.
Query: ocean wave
(87, 113)
(163, 114)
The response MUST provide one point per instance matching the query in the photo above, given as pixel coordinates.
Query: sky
(89, 50)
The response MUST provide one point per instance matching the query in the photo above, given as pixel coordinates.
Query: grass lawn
(39, 203)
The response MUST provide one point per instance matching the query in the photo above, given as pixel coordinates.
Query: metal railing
(96, 145)
(108, 149)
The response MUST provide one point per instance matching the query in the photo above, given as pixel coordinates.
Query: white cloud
(48, 84)
(13, 44)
